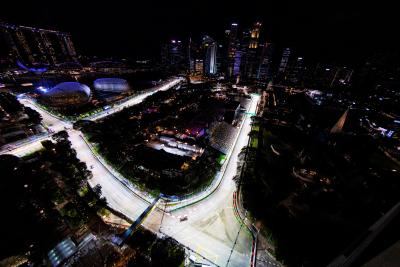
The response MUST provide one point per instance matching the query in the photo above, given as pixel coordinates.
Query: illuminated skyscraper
(199, 66)
(232, 48)
(284, 60)
(195, 52)
(237, 62)
(251, 52)
(221, 59)
(255, 35)
(296, 71)
(173, 55)
(265, 67)
(210, 61)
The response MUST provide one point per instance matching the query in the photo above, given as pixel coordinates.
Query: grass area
(221, 159)
(104, 212)
(267, 232)
(254, 142)
(83, 191)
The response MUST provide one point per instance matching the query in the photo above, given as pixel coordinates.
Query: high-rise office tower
(296, 71)
(176, 53)
(231, 49)
(222, 54)
(173, 56)
(285, 60)
(196, 56)
(199, 66)
(255, 35)
(210, 60)
(265, 71)
(221, 59)
(244, 47)
(190, 63)
(251, 52)
(237, 62)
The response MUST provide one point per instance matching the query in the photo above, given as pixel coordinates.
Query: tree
(97, 190)
(33, 115)
(60, 136)
(48, 145)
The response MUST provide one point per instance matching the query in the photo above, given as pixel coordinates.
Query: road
(212, 229)
(134, 100)
(119, 197)
(49, 121)
(33, 143)
(27, 147)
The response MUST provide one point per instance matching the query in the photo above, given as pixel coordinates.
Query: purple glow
(22, 66)
(42, 89)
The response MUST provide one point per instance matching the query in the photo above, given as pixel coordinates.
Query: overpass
(120, 240)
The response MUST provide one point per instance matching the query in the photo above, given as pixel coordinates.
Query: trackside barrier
(117, 175)
(254, 233)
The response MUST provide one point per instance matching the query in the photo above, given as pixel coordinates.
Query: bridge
(121, 239)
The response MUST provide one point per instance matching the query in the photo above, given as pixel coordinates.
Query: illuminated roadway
(134, 100)
(211, 230)
(119, 197)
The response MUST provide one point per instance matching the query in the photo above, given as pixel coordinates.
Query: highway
(212, 228)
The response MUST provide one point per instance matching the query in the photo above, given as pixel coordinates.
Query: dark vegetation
(44, 197)
(121, 139)
(154, 252)
(312, 221)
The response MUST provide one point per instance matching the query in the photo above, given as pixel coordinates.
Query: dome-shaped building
(67, 93)
(112, 85)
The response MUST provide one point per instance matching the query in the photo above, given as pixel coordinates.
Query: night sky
(326, 31)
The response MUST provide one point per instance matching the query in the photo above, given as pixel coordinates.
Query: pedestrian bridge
(121, 239)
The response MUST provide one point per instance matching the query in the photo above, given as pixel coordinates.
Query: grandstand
(222, 136)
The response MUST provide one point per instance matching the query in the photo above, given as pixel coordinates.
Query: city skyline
(340, 32)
